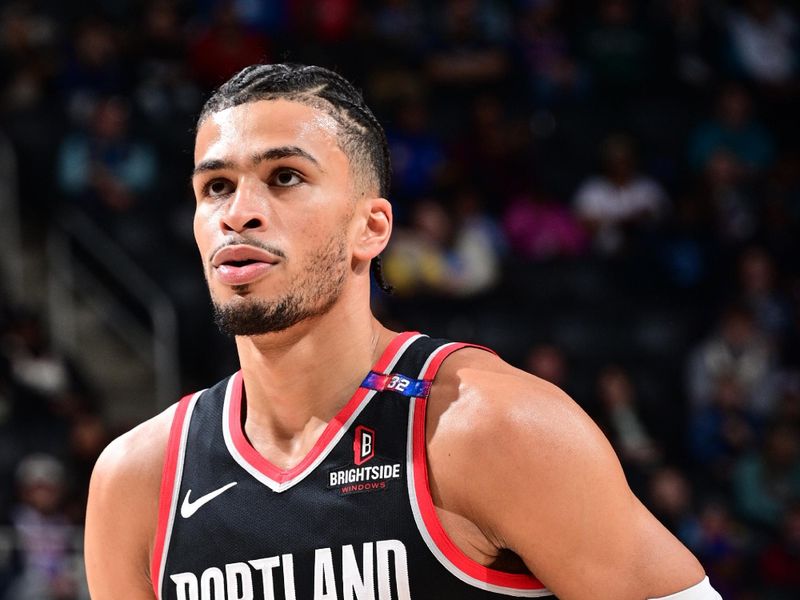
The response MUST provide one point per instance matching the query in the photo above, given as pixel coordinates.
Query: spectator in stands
(331, 26)
(415, 260)
(31, 111)
(418, 158)
(724, 190)
(45, 536)
(734, 130)
(767, 481)
(469, 52)
(555, 75)
(476, 227)
(494, 152)
(622, 201)
(686, 248)
(737, 349)
(623, 422)
(164, 92)
(670, 499)
(44, 392)
(616, 50)
(764, 41)
(548, 362)
(689, 43)
(443, 254)
(27, 42)
(759, 291)
(109, 173)
(401, 26)
(722, 431)
(88, 436)
(271, 18)
(539, 228)
(35, 365)
(722, 545)
(779, 562)
(94, 70)
(224, 47)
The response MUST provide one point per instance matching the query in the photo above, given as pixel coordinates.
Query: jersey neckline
(261, 468)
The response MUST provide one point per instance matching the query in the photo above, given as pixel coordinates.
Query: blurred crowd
(606, 192)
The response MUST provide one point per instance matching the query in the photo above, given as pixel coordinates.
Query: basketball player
(346, 461)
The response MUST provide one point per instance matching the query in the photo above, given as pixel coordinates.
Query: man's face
(275, 205)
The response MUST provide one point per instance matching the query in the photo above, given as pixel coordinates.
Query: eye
(218, 187)
(286, 178)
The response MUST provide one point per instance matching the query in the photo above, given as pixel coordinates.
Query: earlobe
(376, 229)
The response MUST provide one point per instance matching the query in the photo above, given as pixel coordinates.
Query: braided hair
(361, 136)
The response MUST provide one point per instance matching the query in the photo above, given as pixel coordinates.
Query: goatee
(311, 293)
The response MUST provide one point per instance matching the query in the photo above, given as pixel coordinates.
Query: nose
(245, 212)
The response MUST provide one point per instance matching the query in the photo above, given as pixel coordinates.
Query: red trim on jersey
(277, 474)
(165, 496)
(443, 542)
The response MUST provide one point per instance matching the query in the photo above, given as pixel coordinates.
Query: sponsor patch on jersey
(369, 472)
(363, 445)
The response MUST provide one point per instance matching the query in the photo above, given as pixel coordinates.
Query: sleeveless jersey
(354, 520)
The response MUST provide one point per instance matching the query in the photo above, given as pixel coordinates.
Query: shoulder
(122, 510)
(126, 479)
(480, 388)
(137, 454)
(517, 458)
(500, 428)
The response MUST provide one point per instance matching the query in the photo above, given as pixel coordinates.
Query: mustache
(246, 241)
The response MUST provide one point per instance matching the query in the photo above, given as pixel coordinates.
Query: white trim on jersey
(176, 488)
(423, 530)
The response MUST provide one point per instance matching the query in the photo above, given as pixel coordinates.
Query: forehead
(257, 126)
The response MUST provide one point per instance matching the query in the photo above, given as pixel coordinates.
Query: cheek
(201, 228)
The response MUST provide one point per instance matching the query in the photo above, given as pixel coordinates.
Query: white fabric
(701, 591)
(599, 199)
(765, 48)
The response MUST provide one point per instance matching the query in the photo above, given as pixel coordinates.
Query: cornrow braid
(376, 270)
(361, 136)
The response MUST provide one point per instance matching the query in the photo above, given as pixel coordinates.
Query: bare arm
(122, 512)
(546, 484)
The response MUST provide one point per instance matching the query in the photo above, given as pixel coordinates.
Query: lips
(242, 264)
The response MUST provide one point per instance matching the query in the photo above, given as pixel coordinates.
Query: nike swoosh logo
(188, 508)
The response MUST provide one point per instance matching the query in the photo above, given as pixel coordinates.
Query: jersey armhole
(427, 520)
(170, 482)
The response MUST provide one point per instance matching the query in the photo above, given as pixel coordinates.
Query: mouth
(242, 264)
(242, 254)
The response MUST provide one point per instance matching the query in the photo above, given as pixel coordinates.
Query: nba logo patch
(363, 445)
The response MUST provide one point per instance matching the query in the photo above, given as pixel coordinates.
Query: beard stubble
(312, 293)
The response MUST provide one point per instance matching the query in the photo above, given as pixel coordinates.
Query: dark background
(607, 193)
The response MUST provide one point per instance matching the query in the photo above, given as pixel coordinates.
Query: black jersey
(354, 520)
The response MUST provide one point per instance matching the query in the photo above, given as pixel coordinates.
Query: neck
(298, 379)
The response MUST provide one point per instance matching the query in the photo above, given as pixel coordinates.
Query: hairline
(366, 180)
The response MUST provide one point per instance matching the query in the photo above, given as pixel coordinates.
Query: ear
(375, 230)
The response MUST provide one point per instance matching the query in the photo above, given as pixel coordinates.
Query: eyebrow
(270, 154)
(284, 152)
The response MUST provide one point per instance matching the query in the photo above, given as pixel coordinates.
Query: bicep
(117, 539)
(572, 518)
